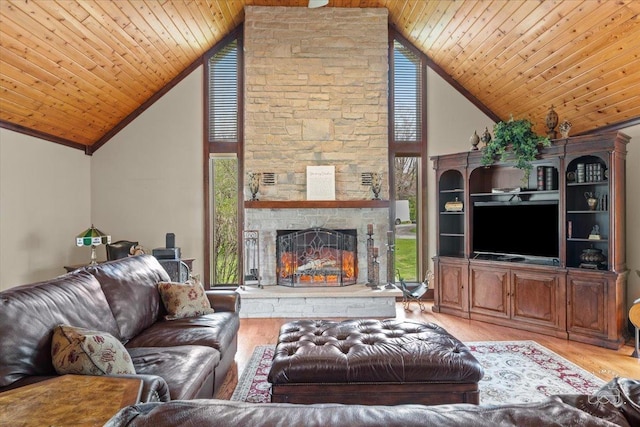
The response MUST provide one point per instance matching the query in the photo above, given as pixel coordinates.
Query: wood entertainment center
(537, 258)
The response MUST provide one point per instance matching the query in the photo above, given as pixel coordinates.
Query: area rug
(514, 372)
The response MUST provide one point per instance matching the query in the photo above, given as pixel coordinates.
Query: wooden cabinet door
(535, 298)
(489, 291)
(452, 279)
(586, 305)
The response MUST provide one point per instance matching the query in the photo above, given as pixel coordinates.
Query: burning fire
(287, 264)
(325, 259)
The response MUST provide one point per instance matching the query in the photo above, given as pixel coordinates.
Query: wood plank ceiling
(72, 71)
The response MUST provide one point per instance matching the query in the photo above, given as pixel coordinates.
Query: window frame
(222, 148)
(410, 149)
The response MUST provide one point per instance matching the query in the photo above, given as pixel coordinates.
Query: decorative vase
(376, 185)
(564, 128)
(254, 185)
(592, 256)
(474, 140)
(486, 136)
(552, 122)
(592, 200)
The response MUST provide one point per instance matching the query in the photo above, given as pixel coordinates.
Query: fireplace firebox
(316, 257)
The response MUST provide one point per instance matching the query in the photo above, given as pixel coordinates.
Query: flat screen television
(516, 229)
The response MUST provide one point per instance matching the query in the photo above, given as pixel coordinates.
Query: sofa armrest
(154, 387)
(224, 300)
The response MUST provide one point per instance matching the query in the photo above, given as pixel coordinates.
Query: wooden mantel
(315, 204)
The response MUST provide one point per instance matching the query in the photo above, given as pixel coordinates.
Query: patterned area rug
(514, 372)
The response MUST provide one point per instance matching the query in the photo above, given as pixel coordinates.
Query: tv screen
(527, 229)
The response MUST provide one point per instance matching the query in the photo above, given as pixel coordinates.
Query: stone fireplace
(269, 220)
(316, 94)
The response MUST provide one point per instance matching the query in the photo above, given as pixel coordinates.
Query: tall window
(223, 151)
(407, 156)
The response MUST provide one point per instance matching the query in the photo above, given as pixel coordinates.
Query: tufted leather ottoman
(384, 362)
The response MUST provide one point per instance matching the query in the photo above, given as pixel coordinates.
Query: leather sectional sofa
(176, 359)
(616, 404)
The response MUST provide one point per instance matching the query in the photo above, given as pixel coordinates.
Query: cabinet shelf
(452, 213)
(451, 235)
(455, 190)
(586, 184)
(575, 239)
(587, 212)
(516, 193)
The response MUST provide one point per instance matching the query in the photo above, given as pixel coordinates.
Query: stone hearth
(348, 301)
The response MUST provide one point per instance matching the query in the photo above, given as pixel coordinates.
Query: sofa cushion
(29, 313)
(130, 285)
(188, 370)
(184, 299)
(87, 352)
(222, 413)
(216, 330)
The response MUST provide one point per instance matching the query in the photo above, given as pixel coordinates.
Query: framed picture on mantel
(321, 182)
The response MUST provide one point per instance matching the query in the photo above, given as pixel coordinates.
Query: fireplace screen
(316, 257)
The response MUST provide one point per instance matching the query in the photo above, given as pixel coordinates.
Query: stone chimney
(316, 94)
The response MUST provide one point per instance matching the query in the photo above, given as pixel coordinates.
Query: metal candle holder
(390, 250)
(371, 282)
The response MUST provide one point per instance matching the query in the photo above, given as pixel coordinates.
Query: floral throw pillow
(184, 299)
(82, 351)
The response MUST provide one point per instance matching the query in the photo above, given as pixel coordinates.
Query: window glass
(223, 94)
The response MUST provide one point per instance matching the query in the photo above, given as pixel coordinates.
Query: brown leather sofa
(177, 359)
(616, 404)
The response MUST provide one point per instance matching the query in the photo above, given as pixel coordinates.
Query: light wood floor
(602, 362)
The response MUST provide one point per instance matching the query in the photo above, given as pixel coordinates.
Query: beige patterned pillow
(184, 299)
(82, 351)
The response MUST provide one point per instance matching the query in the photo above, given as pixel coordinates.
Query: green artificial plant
(523, 142)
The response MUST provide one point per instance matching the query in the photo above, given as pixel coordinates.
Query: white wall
(44, 203)
(451, 120)
(147, 180)
(633, 213)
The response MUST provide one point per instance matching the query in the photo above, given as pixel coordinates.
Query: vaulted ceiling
(74, 71)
